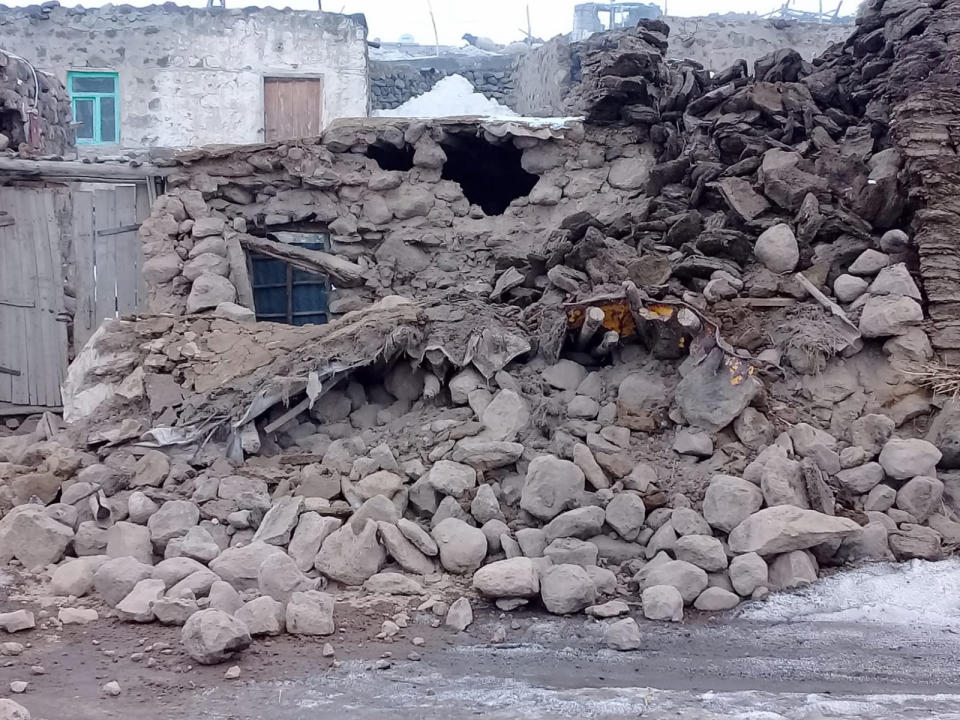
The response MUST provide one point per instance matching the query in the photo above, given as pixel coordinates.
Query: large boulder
(786, 528)
(625, 514)
(262, 616)
(312, 529)
(279, 577)
(886, 315)
(623, 635)
(462, 547)
(212, 636)
(208, 291)
(137, 606)
(792, 569)
(662, 602)
(747, 573)
(729, 500)
(552, 485)
(31, 536)
(703, 551)
(350, 555)
(403, 551)
(904, 459)
(567, 589)
(127, 539)
(921, 497)
(688, 579)
(777, 249)
(240, 566)
(579, 523)
(310, 613)
(452, 478)
(516, 577)
(712, 394)
(278, 524)
(172, 520)
(116, 578)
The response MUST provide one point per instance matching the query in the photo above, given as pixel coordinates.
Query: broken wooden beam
(343, 272)
(73, 170)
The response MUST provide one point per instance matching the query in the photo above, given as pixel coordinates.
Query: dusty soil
(548, 667)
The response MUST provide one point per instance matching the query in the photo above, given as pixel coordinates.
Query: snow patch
(452, 96)
(918, 593)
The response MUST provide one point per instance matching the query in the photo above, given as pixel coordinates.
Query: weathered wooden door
(109, 255)
(293, 107)
(33, 330)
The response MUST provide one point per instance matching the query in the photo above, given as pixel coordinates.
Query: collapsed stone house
(169, 76)
(678, 352)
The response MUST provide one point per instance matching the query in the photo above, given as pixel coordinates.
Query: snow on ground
(453, 95)
(918, 593)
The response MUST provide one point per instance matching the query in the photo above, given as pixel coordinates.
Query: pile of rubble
(35, 114)
(691, 385)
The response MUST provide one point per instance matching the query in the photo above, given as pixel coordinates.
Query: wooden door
(33, 330)
(293, 107)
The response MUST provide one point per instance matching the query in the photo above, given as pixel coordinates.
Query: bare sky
(497, 19)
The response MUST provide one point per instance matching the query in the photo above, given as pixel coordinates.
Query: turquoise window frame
(96, 98)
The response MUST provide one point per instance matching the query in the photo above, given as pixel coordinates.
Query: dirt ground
(548, 667)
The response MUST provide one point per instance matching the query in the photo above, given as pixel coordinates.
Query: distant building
(171, 76)
(592, 17)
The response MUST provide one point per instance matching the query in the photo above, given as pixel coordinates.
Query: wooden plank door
(109, 255)
(33, 332)
(293, 107)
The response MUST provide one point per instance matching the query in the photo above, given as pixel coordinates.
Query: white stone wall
(192, 76)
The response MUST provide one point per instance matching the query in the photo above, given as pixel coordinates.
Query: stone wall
(393, 83)
(542, 78)
(190, 76)
(34, 110)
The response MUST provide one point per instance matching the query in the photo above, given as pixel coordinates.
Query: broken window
(94, 98)
(390, 157)
(284, 294)
(489, 174)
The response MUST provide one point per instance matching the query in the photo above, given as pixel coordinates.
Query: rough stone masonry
(663, 361)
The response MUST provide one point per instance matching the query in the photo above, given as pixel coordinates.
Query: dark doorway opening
(489, 174)
(11, 125)
(390, 157)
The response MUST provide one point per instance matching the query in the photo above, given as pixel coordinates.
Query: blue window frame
(284, 294)
(95, 100)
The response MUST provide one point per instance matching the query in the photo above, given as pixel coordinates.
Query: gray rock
(75, 577)
(686, 521)
(698, 444)
(312, 529)
(381, 482)
(715, 599)
(391, 583)
(626, 514)
(462, 548)
(921, 497)
(706, 397)
(571, 551)
(880, 498)
(611, 609)
(895, 280)
(199, 544)
(31, 536)
(350, 555)
(869, 262)
(640, 399)
(140, 508)
(77, 616)
(173, 611)
(806, 438)
(279, 577)
(904, 459)
(279, 522)
(729, 500)
(579, 523)
(262, 616)
(663, 539)
(516, 577)
(747, 573)
(584, 459)
(10, 710)
(777, 249)
(505, 416)
(623, 635)
(861, 479)
(212, 636)
(404, 552)
(137, 606)
(208, 291)
(786, 528)
(564, 375)
(222, 596)
(310, 613)
(173, 570)
(17, 620)
(485, 506)
(91, 539)
(782, 483)
(378, 508)
(604, 580)
(486, 454)
(116, 578)
(871, 432)
(792, 569)
(687, 578)
(869, 544)
(419, 537)
(172, 520)
(703, 551)
(753, 429)
(240, 566)
(196, 584)
(452, 478)
(552, 485)
(887, 315)
(662, 602)
(460, 615)
(912, 541)
(566, 589)
(532, 541)
(848, 288)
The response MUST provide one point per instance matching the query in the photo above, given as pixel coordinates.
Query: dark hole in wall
(390, 157)
(11, 125)
(489, 174)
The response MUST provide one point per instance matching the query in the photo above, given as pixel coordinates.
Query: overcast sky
(497, 19)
